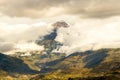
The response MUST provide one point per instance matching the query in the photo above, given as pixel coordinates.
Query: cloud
(17, 32)
(83, 33)
(50, 8)
(14, 31)
(90, 34)
(4, 46)
(24, 47)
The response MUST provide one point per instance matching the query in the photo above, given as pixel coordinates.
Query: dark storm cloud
(47, 8)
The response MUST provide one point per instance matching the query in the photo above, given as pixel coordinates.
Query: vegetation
(11, 67)
(103, 64)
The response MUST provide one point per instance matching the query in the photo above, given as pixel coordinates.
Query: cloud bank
(83, 34)
(87, 34)
(50, 8)
(21, 35)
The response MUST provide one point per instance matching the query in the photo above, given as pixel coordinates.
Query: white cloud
(83, 34)
(16, 30)
(87, 33)
(28, 47)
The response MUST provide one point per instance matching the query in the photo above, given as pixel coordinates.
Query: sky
(48, 8)
(91, 22)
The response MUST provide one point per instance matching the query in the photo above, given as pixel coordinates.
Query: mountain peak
(60, 24)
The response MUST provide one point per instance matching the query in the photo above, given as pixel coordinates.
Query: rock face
(49, 40)
(59, 24)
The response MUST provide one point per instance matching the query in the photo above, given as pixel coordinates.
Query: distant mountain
(60, 24)
(49, 40)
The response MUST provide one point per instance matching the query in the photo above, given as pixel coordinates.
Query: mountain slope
(87, 59)
(89, 65)
(49, 41)
(13, 65)
(110, 63)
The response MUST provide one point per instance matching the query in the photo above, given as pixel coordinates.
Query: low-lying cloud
(21, 35)
(83, 34)
(87, 34)
(4, 46)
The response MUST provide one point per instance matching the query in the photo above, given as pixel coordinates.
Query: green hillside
(13, 67)
(88, 65)
(102, 64)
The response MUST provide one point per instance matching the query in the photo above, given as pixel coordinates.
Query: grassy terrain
(12, 67)
(103, 64)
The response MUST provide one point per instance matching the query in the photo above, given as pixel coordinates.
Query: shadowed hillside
(78, 60)
(14, 65)
(103, 64)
